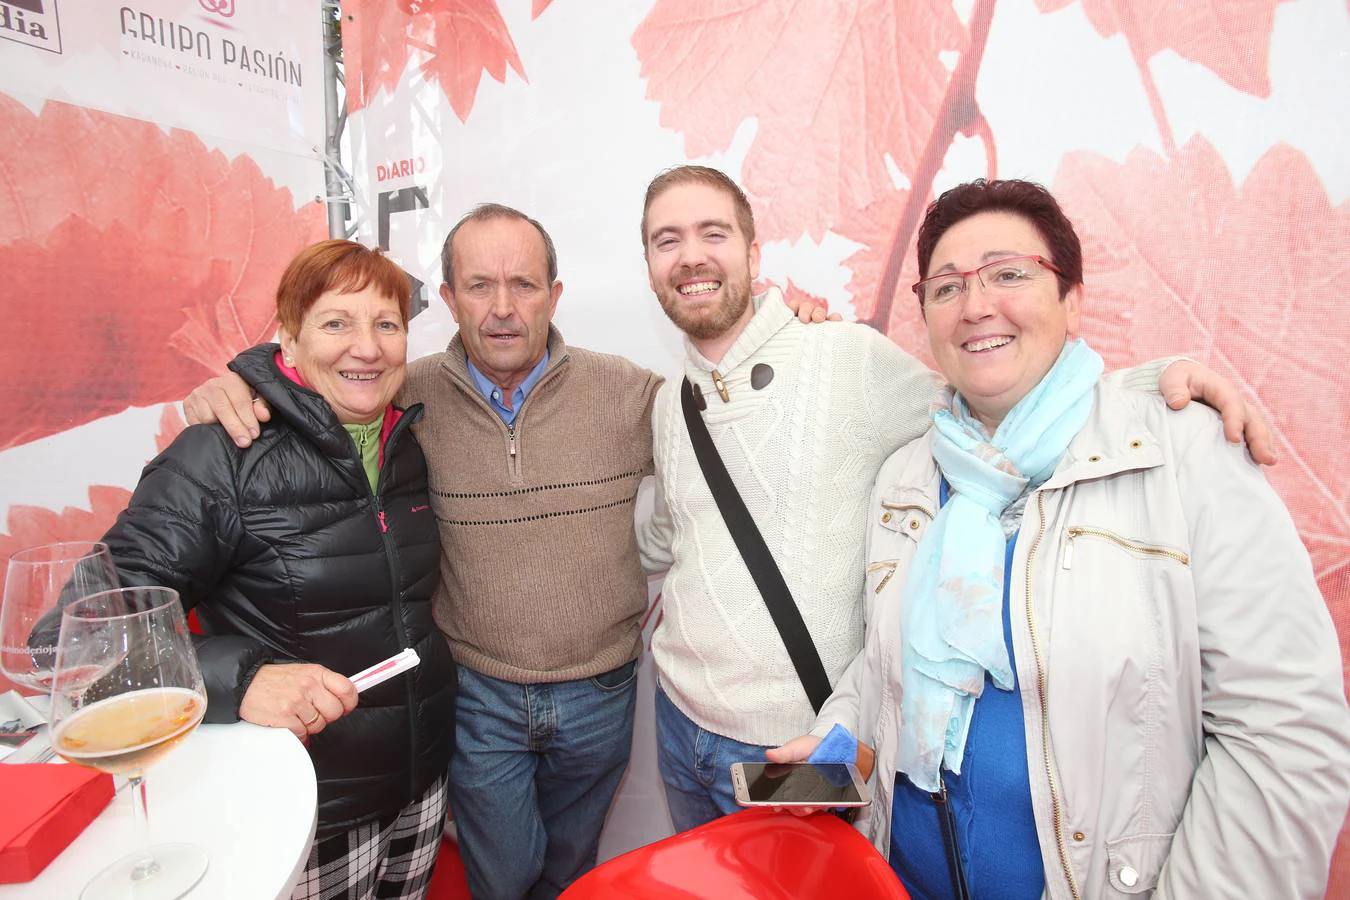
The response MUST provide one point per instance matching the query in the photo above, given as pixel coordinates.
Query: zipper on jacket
(395, 604)
(390, 551)
(1077, 531)
(888, 567)
(901, 507)
(1056, 812)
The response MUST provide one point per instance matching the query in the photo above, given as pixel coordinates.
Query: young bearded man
(803, 419)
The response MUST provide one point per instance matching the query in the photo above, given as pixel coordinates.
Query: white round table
(243, 793)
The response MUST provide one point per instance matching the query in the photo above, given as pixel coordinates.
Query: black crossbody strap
(758, 559)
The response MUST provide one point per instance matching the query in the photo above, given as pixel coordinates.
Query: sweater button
(760, 376)
(913, 524)
(1128, 876)
(885, 517)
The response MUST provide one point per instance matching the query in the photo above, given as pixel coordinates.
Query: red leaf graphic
(154, 258)
(1230, 39)
(94, 165)
(375, 48)
(873, 226)
(466, 38)
(833, 91)
(459, 40)
(1247, 280)
(539, 7)
(111, 353)
(32, 526)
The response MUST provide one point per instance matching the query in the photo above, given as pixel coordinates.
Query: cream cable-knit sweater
(804, 451)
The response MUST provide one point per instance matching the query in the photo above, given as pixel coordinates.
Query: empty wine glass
(126, 690)
(37, 580)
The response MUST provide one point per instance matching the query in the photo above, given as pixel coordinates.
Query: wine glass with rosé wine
(37, 581)
(127, 690)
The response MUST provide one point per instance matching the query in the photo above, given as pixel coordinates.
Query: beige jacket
(1187, 730)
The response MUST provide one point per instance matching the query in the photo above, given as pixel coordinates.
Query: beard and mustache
(704, 322)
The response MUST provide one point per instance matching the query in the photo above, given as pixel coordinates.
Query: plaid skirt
(388, 859)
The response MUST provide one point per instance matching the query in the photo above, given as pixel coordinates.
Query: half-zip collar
(455, 363)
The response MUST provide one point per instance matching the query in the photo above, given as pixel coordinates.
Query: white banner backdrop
(242, 70)
(160, 163)
(1200, 147)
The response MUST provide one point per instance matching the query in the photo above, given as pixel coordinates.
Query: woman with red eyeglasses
(1097, 663)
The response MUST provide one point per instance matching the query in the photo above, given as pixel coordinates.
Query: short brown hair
(486, 212)
(745, 217)
(1024, 199)
(342, 266)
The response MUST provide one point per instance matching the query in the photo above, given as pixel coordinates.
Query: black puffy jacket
(287, 556)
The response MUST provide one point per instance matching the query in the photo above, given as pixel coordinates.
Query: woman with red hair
(312, 555)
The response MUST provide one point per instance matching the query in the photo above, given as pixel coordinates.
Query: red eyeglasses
(1003, 275)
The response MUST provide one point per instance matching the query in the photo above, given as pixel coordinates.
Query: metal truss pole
(337, 180)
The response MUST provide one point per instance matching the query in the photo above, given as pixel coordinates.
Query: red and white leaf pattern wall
(1199, 146)
(159, 166)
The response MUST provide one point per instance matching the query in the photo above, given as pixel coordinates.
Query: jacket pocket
(1133, 863)
(904, 516)
(1143, 549)
(879, 574)
(898, 524)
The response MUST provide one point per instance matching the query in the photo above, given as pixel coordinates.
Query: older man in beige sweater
(535, 451)
(541, 593)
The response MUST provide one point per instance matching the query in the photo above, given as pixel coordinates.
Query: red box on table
(46, 806)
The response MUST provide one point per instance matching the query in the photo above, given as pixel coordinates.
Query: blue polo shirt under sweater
(493, 394)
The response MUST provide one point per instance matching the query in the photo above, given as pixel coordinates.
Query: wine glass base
(177, 869)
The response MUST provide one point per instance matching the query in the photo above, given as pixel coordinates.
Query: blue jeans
(696, 766)
(535, 769)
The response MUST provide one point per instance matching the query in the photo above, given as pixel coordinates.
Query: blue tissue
(839, 746)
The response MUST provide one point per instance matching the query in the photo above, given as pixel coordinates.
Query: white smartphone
(799, 784)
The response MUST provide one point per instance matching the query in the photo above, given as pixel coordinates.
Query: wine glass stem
(147, 867)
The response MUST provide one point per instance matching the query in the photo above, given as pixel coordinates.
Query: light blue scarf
(953, 607)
